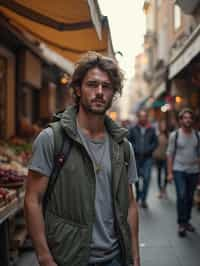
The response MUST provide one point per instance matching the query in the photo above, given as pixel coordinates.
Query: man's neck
(92, 125)
(186, 130)
(142, 125)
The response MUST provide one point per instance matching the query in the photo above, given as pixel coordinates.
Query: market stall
(13, 172)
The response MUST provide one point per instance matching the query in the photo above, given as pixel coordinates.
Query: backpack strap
(62, 147)
(175, 143)
(198, 143)
(126, 146)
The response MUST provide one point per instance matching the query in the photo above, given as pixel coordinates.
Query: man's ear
(78, 91)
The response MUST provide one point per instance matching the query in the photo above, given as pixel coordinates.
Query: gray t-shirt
(186, 152)
(104, 243)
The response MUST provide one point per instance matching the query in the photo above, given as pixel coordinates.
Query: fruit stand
(13, 172)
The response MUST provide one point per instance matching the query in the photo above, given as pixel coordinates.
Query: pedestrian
(183, 165)
(144, 140)
(91, 217)
(160, 158)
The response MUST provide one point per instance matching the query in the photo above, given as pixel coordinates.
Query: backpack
(176, 141)
(62, 151)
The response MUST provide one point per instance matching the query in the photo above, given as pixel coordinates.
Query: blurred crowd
(172, 148)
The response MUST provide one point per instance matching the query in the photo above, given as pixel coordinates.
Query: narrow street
(159, 243)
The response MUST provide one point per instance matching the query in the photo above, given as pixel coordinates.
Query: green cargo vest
(70, 213)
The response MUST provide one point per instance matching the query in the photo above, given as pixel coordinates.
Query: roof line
(51, 42)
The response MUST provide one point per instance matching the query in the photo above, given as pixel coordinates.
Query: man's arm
(133, 220)
(35, 189)
(169, 168)
(154, 142)
(170, 155)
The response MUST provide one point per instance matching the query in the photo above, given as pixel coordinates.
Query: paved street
(160, 245)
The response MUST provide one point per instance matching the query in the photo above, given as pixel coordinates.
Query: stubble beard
(101, 112)
(187, 126)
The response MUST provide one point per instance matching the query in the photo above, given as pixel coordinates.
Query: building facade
(173, 55)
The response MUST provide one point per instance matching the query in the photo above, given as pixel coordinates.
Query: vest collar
(68, 122)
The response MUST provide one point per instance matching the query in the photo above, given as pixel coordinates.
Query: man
(144, 140)
(183, 165)
(92, 217)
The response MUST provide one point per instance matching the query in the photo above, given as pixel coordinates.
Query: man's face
(96, 92)
(186, 120)
(142, 118)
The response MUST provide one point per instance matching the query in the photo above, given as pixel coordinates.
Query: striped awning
(68, 27)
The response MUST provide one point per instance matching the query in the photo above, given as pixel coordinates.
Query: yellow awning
(69, 27)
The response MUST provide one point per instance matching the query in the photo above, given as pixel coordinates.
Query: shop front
(184, 77)
(7, 92)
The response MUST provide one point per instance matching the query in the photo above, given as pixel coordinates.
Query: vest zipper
(93, 197)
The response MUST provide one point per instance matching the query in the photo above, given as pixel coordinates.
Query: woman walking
(160, 159)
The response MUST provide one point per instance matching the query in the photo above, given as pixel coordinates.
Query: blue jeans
(144, 172)
(161, 168)
(185, 186)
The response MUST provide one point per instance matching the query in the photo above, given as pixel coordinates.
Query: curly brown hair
(91, 60)
(186, 110)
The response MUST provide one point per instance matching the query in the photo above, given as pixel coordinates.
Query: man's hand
(46, 261)
(136, 261)
(170, 177)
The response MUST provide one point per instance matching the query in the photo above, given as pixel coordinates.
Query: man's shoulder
(173, 133)
(152, 128)
(44, 138)
(133, 127)
(45, 133)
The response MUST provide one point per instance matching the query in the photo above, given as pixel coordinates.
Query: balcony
(188, 6)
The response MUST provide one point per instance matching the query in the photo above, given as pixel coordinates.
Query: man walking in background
(144, 140)
(91, 217)
(183, 165)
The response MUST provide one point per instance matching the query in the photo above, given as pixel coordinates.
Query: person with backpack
(183, 156)
(144, 141)
(79, 204)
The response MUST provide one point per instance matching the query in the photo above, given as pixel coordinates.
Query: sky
(127, 23)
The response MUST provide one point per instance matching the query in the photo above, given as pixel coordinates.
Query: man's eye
(92, 84)
(95, 84)
(106, 85)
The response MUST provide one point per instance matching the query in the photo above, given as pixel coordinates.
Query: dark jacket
(144, 145)
(70, 213)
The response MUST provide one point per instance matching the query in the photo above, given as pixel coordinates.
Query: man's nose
(99, 89)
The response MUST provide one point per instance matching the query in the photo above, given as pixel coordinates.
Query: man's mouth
(99, 101)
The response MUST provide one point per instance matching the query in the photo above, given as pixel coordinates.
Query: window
(177, 17)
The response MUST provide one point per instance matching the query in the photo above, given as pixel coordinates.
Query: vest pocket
(67, 240)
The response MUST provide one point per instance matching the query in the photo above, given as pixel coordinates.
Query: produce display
(15, 149)
(6, 196)
(11, 171)
(14, 155)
